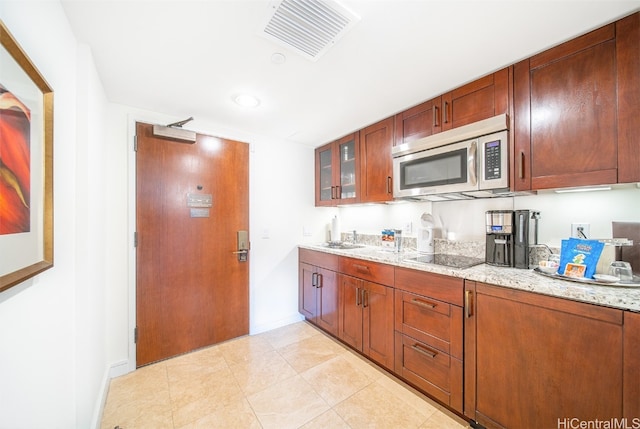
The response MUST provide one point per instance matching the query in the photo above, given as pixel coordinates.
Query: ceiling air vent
(308, 27)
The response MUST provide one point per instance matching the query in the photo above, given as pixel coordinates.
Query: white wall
(52, 359)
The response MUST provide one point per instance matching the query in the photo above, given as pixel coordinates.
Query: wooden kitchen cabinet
(376, 162)
(481, 99)
(318, 289)
(366, 309)
(531, 360)
(429, 334)
(418, 122)
(576, 111)
(337, 167)
(631, 359)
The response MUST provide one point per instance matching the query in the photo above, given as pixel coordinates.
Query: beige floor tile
(327, 420)
(244, 349)
(258, 374)
(290, 334)
(372, 371)
(138, 399)
(310, 352)
(288, 404)
(286, 378)
(419, 402)
(444, 419)
(336, 379)
(195, 364)
(195, 397)
(235, 415)
(376, 407)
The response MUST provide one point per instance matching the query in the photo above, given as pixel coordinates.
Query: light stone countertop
(625, 298)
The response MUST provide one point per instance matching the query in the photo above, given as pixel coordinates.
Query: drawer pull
(424, 303)
(425, 351)
(361, 268)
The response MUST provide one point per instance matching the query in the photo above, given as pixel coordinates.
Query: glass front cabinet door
(337, 172)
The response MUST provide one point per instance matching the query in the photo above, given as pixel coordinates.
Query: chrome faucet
(355, 237)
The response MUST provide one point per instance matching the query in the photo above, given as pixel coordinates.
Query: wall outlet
(408, 227)
(580, 230)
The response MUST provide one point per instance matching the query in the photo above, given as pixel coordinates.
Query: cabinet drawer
(444, 288)
(367, 270)
(319, 259)
(434, 372)
(435, 323)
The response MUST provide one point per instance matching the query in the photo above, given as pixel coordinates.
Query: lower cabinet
(631, 376)
(366, 309)
(318, 289)
(533, 361)
(429, 334)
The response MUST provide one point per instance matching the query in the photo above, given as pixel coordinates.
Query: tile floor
(291, 377)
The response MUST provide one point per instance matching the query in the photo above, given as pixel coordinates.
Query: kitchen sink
(343, 246)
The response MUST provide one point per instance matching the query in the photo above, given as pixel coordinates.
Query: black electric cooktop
(453, 261)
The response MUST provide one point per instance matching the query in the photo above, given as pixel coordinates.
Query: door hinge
(135, 239)
(135, 335)
(135, 143)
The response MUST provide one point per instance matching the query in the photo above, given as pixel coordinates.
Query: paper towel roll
(335, 229)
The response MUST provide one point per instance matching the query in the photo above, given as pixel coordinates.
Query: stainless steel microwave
(470, 161)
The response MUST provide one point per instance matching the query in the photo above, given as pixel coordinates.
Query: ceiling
(191, 58)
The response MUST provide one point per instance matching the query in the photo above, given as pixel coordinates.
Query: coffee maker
(507, 238)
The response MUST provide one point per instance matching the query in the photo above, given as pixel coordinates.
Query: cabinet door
(532, 360)
(347, 169)
(377, 324)
(631, 376)
(628, 67)
(350, 314)
(327, 301)
(325, 188)
(481, 99)
(571, 103)
(417, 122)
(307, 290)
(376, 162)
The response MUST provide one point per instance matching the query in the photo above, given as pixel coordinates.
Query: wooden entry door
(191, 289)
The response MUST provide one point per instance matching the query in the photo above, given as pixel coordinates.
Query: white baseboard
(115, 370)
(119, 368)
(258, 329)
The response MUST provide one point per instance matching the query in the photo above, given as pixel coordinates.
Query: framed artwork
(26, 166)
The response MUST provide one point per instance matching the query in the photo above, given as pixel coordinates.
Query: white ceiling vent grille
(308, 27)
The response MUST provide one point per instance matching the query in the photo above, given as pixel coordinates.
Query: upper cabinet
(376, 166)
(481, 99)
(337, 169)
(576, 111)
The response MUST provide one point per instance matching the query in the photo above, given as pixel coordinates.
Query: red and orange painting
(15, 164)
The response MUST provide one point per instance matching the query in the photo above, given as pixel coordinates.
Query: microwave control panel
(492, 160)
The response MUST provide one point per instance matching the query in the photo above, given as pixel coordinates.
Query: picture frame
(26, 99)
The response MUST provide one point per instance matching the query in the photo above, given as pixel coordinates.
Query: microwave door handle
(471, 163)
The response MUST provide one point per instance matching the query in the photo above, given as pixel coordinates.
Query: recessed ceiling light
(246, 100)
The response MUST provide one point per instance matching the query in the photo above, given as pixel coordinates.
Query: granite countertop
(625, 298)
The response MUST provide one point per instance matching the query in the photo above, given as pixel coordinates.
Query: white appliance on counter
(465, 162)
(425, 239)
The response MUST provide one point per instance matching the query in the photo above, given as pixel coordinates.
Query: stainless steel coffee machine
(507, 238)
